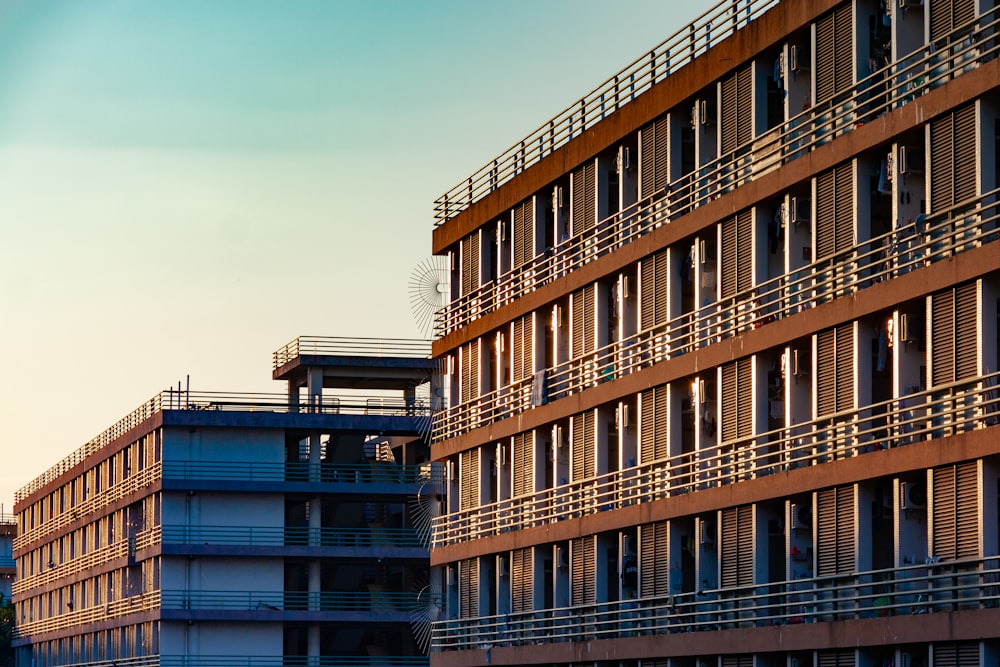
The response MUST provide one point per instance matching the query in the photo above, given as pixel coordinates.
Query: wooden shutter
(653, 424)
(955, 511)
(523, 348)
(583, 453)
(834, 53)
(835, 522)
(953, 157)
(835, 370)
(737, 254)
(471, 253)
(835, 210)
(654, 156)
(737, 109)
(583, 324)
(468, 588)
(522, 571)
(829, 658)
(524, 463)
(955, 334)
(737, 400)
(947, 15)
(524, 232)
(470, 372)
(584, 200)
(653, 290)
(737, 546)
(583, 570)
(654, 559)
(958, 654)
(469, 479)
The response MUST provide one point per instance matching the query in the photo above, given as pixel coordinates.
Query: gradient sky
(185, 186)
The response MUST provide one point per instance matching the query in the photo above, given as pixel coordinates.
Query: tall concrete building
(212, 529)
(8, 531)
(722, 354)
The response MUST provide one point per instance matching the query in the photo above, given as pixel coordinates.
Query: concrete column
(314, 387)
(293, 396)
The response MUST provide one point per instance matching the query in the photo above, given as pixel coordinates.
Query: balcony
(883, 91)
(934, 587)
(363, 474)
(259, 661)
(284, 536)
(286, 601)
(939, 412)
(912, 246)
(667, 57)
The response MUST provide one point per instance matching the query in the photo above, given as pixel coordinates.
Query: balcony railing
(911, 246)
(329, 346)
(290, 536)
(259, 661)
(889, 88)
(938, 412)
(934, 587)
(289, 600)
(183, 400)
(75, 617)
(376, 472)
(667, 57)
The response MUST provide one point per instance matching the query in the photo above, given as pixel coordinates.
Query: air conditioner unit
(629, 545)
(800, 363)
(801, 516)
(562, 557)
(909, 331)
(798, 58)
(622, 416)
(707, 533)
(622, 160)
(800, 209)
(913, 496)
(557, 197)
(911, 160)
(503, 567)
(906, 4)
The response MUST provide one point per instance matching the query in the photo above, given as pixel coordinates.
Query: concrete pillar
(314, 387)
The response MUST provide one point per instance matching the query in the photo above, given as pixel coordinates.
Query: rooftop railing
(886, 89)
(911, 246)
(350, 347)
(183, 400)
(362, 601)
(639, 76)
(934, 587)
(937, 412)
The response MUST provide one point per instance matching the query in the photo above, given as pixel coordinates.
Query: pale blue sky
(187, 185)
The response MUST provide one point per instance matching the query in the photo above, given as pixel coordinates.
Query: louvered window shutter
(953, 158)
(523, 348)
(524, 233)
(737, 400)
(583, 570)
(524, 463)
(737, 546)
(745, 660)
(583, 321)
(956, 511)
(958, 654)
(737, 254)
(654, 157)
(737, 109)
(470, 263)
(947, 15)
(584, 200)
(468, 585)
(843, 658)
(835, 210)
(469, 478)
(653, 425)
(522, 580)
(654, 559)
(835, 370)
(835, 550)
(954, 334)
(583, 457)
(653, 290)
(834, 53)
(470, 372)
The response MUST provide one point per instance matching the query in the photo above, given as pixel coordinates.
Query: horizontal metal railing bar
(183, 400)
(359, 347)
(72, 565)
(781, 144)
(285, 536)
(374, 472)
(950, 408)
(931, 587)
(289, 600)
(621, 88)
(88, 615)
(866, 264)
(167, 660)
